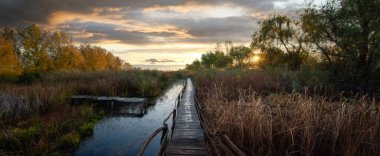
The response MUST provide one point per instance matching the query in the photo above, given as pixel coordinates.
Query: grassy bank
(37, 118)
(264, 114)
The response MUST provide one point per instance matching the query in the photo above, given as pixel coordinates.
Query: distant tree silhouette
(242, 56)
(233, 57)
(216, 59)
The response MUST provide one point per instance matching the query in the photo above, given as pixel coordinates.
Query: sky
(149, 32)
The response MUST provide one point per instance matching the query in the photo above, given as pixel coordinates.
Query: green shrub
(70, 140)
(26, 135)
(86, 111)
(86, 129)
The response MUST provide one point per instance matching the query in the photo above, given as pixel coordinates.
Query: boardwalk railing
(165, 130)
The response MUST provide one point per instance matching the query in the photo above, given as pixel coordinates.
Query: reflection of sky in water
(161, 67)
(124, 135)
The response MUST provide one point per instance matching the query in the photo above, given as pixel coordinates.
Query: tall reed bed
(262, 118)
(38, 118)
(53, 90)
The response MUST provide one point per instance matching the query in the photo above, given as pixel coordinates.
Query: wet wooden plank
(189, 141)
(187, 121)
(188, 135)
(194, 137)
(188, 132)
(188, 126)
(188, 118)
(186, 151)
(185, 146)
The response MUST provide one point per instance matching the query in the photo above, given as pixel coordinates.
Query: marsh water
(123, 132)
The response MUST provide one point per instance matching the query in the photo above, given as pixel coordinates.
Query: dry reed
(283, 123)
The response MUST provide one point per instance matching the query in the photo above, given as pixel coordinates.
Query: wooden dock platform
(188, 135)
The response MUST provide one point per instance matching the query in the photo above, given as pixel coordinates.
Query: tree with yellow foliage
(33, 51)
(65, 56)
(34, 43)
(94, 58)
(9, 64)
(113, 62)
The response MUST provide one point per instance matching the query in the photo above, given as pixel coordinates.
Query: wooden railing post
(164, 131)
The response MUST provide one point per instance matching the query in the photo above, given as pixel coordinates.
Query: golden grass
(282, 123)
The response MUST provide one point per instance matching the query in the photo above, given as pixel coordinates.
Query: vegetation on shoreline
(37, 118)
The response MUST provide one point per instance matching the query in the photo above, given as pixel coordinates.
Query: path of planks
(188, 135)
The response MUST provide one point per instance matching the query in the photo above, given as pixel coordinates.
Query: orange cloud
(181, 8)
(114, 19)
(260, 15)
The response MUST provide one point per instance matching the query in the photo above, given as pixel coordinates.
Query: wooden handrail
(164, 128)
(147, 141)
(164, 142)
(167, 118)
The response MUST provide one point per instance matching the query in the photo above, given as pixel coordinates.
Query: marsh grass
(53, 90)
(261, 118)
(37, 118)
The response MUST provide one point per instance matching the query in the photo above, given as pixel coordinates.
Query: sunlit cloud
(82, 34)
(182, 8)
(195, 11)
(141, 30)
(119, 23)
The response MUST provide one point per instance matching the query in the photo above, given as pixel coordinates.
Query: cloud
(154, 61)
(160, 24)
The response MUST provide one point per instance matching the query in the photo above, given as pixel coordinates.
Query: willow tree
(347, 34)
(284, 35)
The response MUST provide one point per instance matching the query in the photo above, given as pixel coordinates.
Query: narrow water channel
(123, 134)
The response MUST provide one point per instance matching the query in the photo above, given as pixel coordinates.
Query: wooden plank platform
(80, 99)
(188, 135)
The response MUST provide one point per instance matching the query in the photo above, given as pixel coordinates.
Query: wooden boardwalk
(188, 135)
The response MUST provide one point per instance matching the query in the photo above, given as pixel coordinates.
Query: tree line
(231, 57)
(341, 37)
(31, 50)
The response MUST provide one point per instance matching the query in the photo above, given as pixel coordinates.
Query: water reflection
(130, 110)
(126, 127)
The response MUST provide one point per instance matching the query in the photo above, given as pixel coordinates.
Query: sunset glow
(256, 59)
(140, 30)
